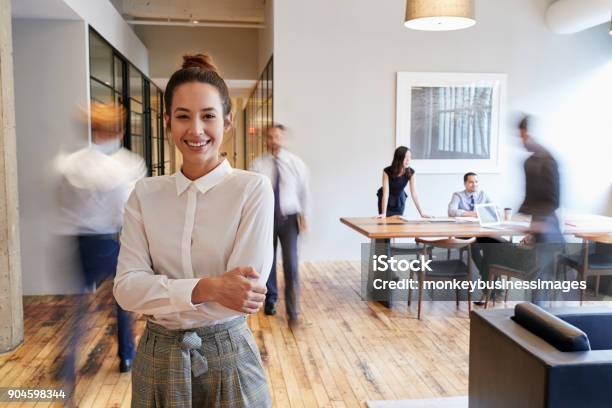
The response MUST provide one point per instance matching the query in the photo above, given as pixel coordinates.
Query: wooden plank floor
(346, 351)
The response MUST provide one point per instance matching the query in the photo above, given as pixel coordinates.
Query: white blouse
(94, 185)
(176, 231)
(293, 180)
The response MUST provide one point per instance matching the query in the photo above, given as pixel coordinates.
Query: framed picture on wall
(451, 121)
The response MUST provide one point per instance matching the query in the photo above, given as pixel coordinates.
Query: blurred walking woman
(196, 251)
(392, 195)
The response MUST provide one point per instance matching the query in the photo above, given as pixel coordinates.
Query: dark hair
(278, 126)
(198, 68)
(524, 123)
(468, 174)
(397, 165)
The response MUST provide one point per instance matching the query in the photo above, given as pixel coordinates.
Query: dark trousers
(286, 231)
(97, 260)
(549, 243)
(480, 256)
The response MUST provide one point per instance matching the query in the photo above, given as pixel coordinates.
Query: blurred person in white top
(97, 180)
(95, 183)
(196, 250)
(289, 177)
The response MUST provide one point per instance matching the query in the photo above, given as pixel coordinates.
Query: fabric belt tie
(193, 343)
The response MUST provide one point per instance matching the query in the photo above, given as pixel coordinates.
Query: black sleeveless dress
(397, 193)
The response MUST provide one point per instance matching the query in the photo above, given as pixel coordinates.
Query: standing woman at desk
(196, 251)
(392, 194)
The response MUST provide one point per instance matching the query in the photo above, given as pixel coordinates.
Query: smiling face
(407, 159)
(197, 125)
(471, 184)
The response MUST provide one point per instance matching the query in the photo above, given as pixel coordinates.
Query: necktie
(472, 202)
(276, 187)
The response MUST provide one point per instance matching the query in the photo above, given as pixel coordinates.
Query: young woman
(196, 251)
(392, 194)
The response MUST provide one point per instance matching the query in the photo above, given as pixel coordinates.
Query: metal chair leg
(506, 294)
(409, 289)
(421, 279)
(457, 297)
(492, 277)
(585, 265)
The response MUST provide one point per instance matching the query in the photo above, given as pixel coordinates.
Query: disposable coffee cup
(507, 213)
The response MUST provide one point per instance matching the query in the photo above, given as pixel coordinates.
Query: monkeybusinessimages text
(384, 263)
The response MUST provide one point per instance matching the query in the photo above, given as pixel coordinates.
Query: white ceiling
(243, 11)
(202, 10)
(47, 9)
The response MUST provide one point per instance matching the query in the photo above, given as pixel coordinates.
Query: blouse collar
(204, 183)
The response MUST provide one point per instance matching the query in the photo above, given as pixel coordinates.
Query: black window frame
(125, 97)
(259, 114)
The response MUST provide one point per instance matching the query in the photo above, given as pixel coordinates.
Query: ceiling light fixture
(439, 15)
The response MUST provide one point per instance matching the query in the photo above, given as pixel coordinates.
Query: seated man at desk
(463, 203)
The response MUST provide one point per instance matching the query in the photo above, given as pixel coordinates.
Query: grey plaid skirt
(214, 366)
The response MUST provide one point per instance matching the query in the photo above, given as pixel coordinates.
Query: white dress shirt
(177, 231)
(293, 183)
(461, 202)
(95, 184)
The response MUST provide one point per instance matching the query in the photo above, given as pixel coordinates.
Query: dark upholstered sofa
(532, 357)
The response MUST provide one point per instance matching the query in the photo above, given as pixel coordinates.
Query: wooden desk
(601, 238)
(379, 230)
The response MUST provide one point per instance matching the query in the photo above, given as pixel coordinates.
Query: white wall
(334, 80)
(107, 21)
(266, 36)
(51, 83)
(100, 14)
(48, 9)
(233, 49)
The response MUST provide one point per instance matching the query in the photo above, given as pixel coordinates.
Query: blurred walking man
(95, 184)
(289, 177)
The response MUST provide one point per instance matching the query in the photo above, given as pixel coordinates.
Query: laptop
(489, 218)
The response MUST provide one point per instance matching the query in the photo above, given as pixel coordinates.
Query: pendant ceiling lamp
(439, 15)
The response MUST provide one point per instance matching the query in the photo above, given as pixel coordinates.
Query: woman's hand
(527, 240)
(381, 216)
(423, 215)
(237, 290)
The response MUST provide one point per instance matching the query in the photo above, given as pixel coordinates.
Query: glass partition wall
(113, 79)
(258, 115)
(136, 112)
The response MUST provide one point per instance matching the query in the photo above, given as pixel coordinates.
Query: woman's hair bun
(200, 60)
